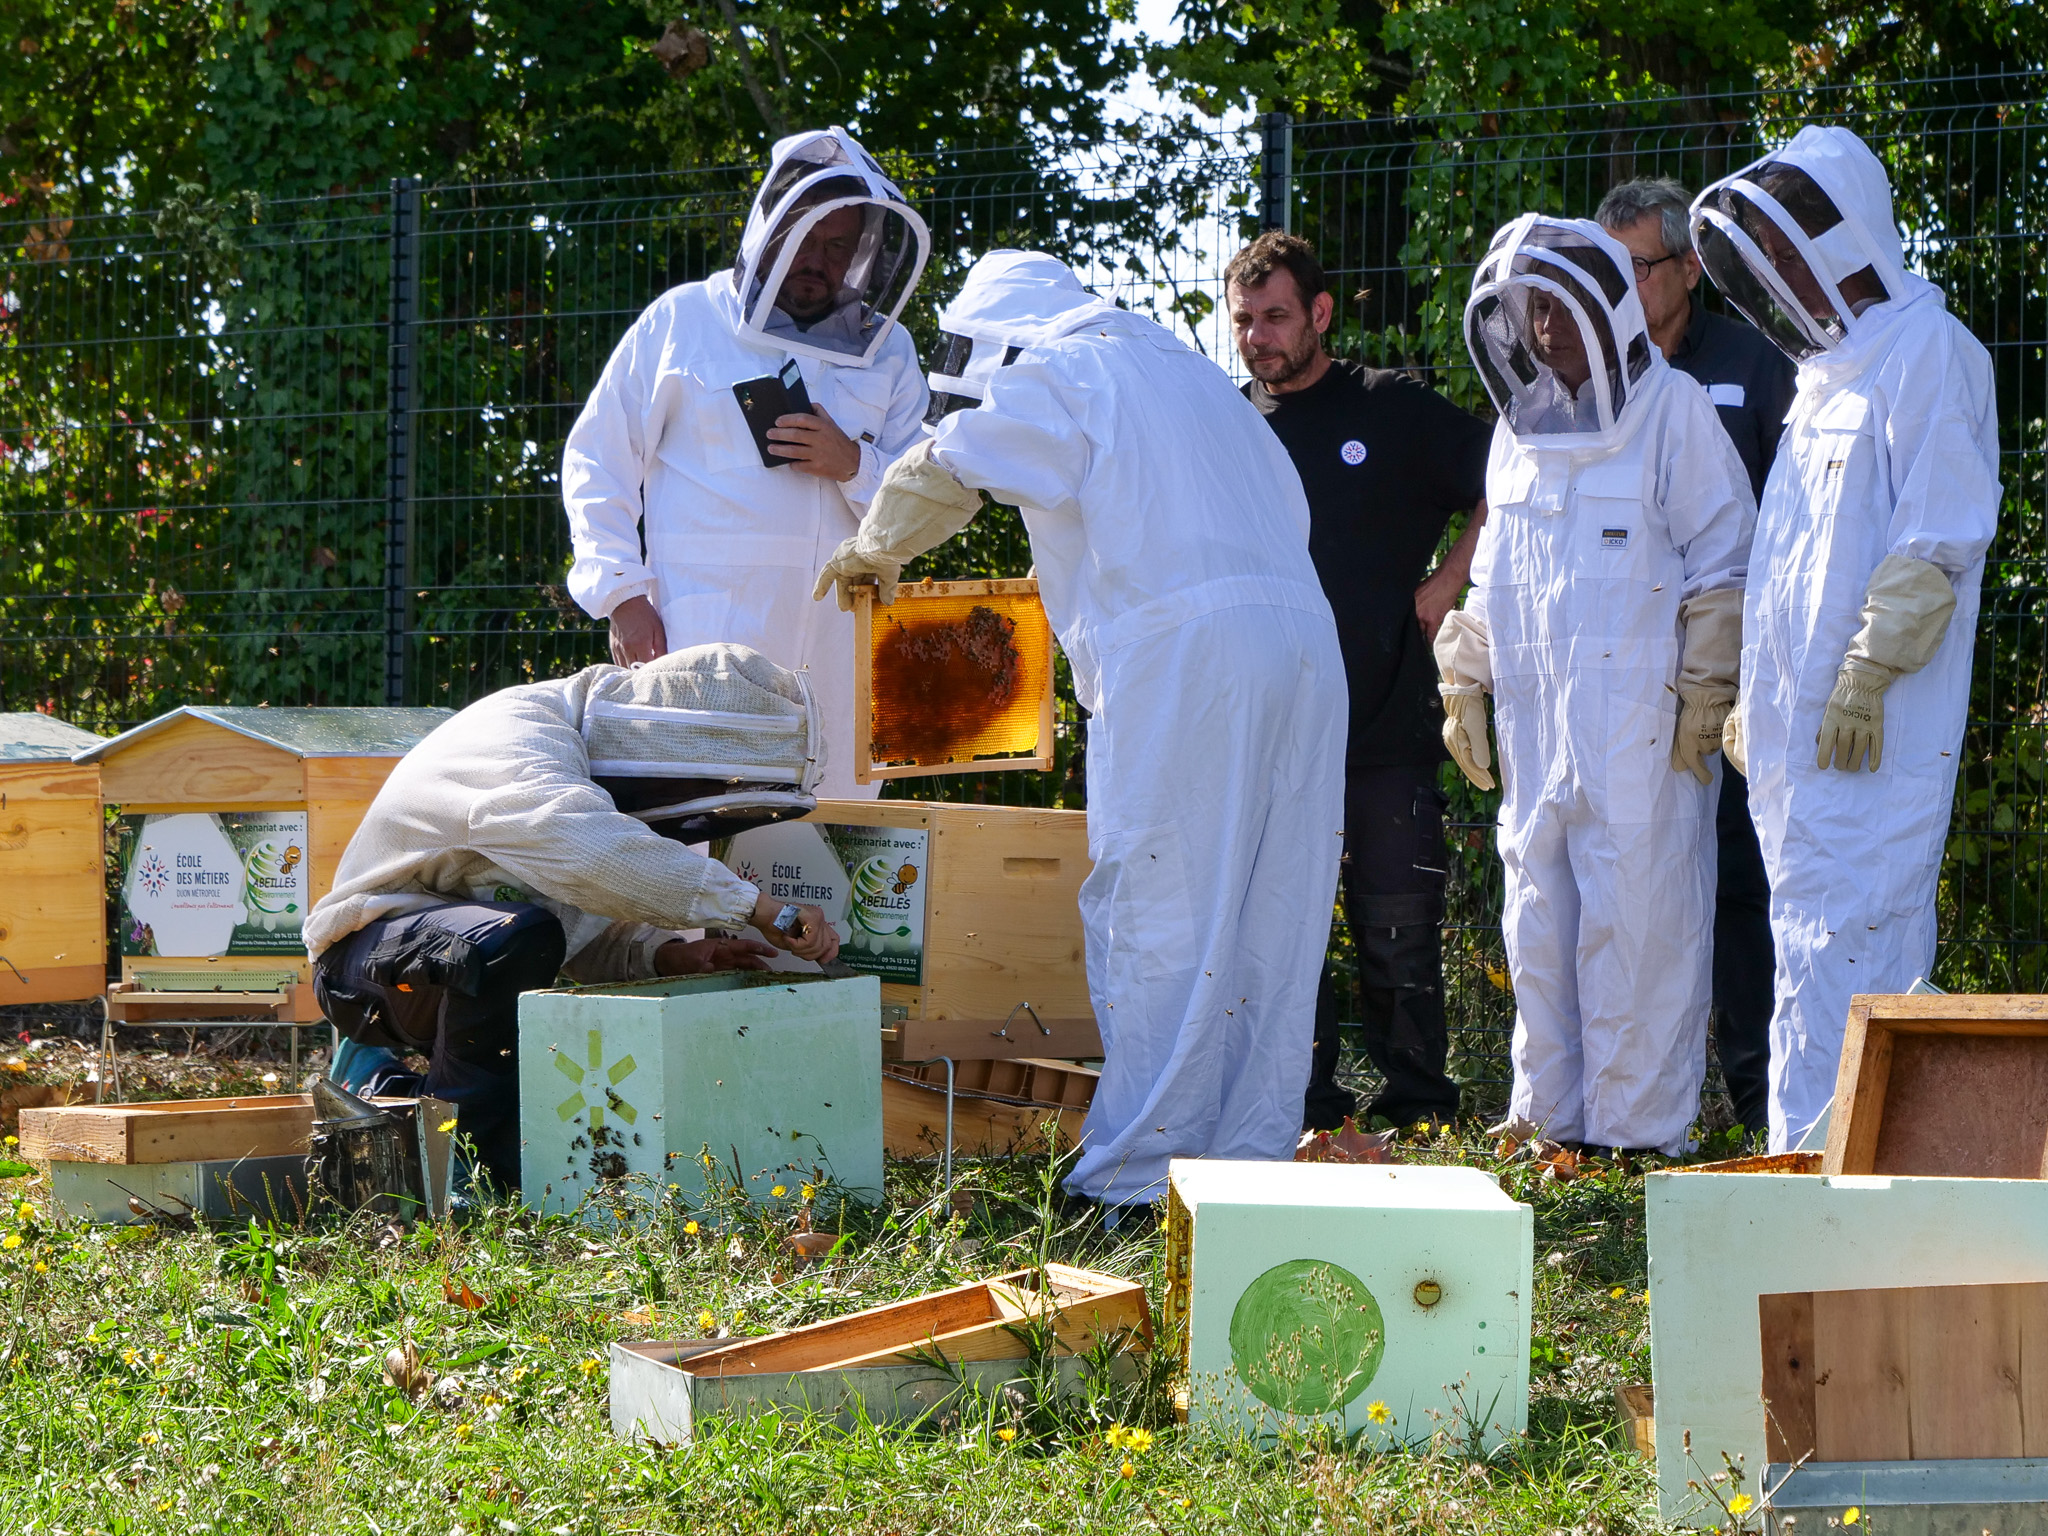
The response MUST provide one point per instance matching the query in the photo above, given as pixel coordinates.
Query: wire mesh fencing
(307, 451)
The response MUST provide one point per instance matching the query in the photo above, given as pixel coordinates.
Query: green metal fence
(307, 451)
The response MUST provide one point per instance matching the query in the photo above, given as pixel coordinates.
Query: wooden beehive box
(53, 921)
(968, 914)
(889, 1363)
(232, 823)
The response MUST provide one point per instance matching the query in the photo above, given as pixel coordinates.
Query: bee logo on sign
(1352, 452)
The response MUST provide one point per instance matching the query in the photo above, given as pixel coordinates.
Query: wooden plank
(53, 983)
(338, 795)
(914, 1122)
(52, 900)
(873, 813)
(191, 765)
(1969, 1106)
(992, 1039)
(863, 687)
(1953, 1008)
(1963, 1378)
(177, 1131)
(1785, 1321)
(1003, 921)
(1859, 1094)
(2031, 1303)
(131, 964)
(849, 1338)
(1861, 1358)
(353, 779)
(49, 780)
(1638, 1407)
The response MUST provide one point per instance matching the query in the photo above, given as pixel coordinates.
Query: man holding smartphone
(1386, 463)
(683, 533)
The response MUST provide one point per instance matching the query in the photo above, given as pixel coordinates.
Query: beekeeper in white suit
(1171, 537)
(663, 452)
(1605, 619)
(1862, 604)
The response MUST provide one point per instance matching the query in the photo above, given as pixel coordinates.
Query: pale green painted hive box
(774, 1072)
(1391, 1300)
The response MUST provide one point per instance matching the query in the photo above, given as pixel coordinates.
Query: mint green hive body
(1303, 1304)
(776, 1072)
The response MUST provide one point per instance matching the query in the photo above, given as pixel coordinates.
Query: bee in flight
(906, 877)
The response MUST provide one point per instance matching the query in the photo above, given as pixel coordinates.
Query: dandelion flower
(446, 1125)
(1379, 1412)
(42, 1268)
(14, 1141)
(1741, 1504)
(149, 1439)
(1618, 1292)
(464, 1431)
(1127, 1470)
(706, 1322)
(1137, 1439)
(1185, 1503)
(690, 1228)
(809, 1191)
(1115, 1436)
(1852, 1514)
(11, 1241)
(586, 1366)
(24, 1212)
(130, 1356)
(779, 1191)
(1006, 1434)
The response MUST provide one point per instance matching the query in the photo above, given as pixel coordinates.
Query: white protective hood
(1011, 300)
(1540, 260)
(810, 176)
(1833, 180)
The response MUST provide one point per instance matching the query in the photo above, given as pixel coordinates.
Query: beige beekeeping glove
(1734, 742)
(918, 506)
(1707, 669)
(1464, 662)
(1905, 615)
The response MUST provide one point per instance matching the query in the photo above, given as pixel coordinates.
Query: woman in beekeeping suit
(662, 455)
(1860, 617)
(1171, 537)
(1605, 618)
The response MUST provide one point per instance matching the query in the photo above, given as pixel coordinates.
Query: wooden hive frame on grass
(319, 768)
(952, 735)
(53, 905)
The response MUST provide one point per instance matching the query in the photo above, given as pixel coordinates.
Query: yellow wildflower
(706, 1322)
(586, 1366)
(690, 1229)
(1127, 1470)
(1379, 1412)
(1137, 1439)
(1741, 1504)
(446, 1125)
(1852, 1514)
(1617, 1293)
(779, 1191)
(150, 1438)
(42, 1268)
(809, 1191)
(14, 1141)
(1006, 1434)
(24, 1212)
(464, 1431)
(11, 1241)
(129, 1356)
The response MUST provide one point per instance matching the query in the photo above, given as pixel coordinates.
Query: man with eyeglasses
(1751, 384)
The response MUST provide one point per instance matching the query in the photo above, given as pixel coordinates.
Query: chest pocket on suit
(857, 399)
(1838, 457)
(1617, 565)
(709, 433)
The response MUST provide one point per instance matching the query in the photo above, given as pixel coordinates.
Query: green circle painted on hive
(1307, 1336)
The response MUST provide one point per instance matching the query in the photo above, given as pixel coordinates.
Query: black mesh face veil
(961, 371)
(1541, 282)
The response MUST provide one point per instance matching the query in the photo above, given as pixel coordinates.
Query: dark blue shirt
(1749, 380)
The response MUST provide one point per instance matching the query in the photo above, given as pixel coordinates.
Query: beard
(1285, 367)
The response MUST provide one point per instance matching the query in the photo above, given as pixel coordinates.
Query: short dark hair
(1273, 252)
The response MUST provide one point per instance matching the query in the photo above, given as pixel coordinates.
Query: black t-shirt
(1386, 462)
(1750, 382)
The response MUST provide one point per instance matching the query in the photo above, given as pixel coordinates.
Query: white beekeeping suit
(1862, 603)
(662, 453)
(1604, 618)
(579, 795)
(1171, 537)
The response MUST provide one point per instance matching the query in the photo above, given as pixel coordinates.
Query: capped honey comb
(952, 675)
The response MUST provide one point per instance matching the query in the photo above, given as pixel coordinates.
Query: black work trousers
(1393, 892)
(445, 982)
(1744, 962)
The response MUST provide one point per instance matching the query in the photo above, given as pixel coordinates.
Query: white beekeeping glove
(1464, 661)
(1706, 677)
(918, 507)
(1905, 615)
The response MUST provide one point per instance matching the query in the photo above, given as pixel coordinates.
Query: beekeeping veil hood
(1534, 266)
(1822, 199)
(1011, 300)
(705, 742)
(837, 303)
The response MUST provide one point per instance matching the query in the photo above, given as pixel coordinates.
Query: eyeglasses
(1643, 266)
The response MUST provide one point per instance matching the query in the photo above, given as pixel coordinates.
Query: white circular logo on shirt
(1353, 452)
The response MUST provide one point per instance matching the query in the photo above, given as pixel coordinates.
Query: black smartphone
(765, 399)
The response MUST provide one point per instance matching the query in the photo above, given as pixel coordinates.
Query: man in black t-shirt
(1386, 463)
(1751, 384)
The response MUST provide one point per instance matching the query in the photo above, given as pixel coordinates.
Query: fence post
(405, 288)
(1276, 171)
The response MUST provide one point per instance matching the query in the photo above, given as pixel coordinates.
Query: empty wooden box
(53, 903)
(892, 1363)
(953, 675)
(232, 823)
(969, 916)
(1942, 1084)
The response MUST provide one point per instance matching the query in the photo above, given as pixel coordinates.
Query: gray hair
(1643, 197)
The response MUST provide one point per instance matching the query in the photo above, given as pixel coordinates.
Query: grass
(191, 1381)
